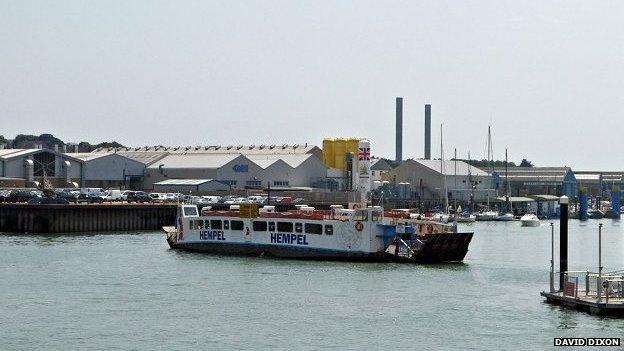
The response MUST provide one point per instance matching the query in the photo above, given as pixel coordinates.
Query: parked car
(125, 194)
(4, 195)
(112, 195)
(69, 195)
(158, 197)
(23, 195)
(139, 197)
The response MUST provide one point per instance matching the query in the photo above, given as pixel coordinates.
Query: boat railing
(593, 285)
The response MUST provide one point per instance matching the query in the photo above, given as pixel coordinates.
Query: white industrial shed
(239, 171)
(429, 178)
(190, 186)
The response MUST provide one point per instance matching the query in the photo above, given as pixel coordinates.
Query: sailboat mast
(442, 170)
(507, 181)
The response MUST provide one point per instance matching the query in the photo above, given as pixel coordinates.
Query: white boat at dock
(486, 216)
(505, 217)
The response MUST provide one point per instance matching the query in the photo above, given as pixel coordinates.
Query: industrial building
(26, 167)
(239, 171)
(597, 183)
(525, 181)
(110, 170)
(428, 179)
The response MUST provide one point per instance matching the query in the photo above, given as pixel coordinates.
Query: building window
(253, 183)
(280, 183)
(44, 162)
(229, 182)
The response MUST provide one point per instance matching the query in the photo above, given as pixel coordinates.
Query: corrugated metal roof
(534, 174)
(147, 158)
(184, 181)
(194, 161)
(463, 168)
(293, 161)
(86, 156)
(221, 149)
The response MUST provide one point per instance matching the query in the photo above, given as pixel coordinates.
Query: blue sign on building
(241, 168)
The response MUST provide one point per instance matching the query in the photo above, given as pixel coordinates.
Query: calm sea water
(128, 291)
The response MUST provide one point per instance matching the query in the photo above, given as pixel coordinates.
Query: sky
(548, 76)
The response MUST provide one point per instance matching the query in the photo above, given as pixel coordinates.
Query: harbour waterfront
(130, 291)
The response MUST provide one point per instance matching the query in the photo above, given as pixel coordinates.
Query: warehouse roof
(379, 164)
(221, 149)
(293, 161)
(534, 174)
(463, 168)
(11, 153)
(194, 161)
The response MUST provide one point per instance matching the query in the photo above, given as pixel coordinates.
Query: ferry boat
(365, 234)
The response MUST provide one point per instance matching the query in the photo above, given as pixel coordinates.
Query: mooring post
(563, 239)
(599, 283)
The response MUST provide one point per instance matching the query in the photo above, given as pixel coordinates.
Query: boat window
(191, 225)
(259, 226)
(206, 224)
(190, 211)
(361, 215)
(329, 229)
(199, 224)
(271, 226)
(226, 224)
(376, 216)
(236, 225)
(313, 228)
(284, 227)
(298, 228)
(215, 224)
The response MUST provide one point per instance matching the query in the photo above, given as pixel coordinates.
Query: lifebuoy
(429, 229)
(359, 226)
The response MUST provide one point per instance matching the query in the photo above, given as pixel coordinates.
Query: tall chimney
(64, 148)
(56, 148)
(427, 132)
(399, 129)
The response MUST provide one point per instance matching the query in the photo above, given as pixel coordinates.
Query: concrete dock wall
(83, 218)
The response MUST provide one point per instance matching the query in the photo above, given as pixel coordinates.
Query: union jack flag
(364, 154)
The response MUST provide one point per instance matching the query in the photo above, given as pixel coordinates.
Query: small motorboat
(486, 216)
(595, 214)
(505, 217)
(466, 218)
(530, 220)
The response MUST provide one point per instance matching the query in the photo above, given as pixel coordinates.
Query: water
(129, 292)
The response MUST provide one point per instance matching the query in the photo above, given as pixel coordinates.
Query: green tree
(526, 163)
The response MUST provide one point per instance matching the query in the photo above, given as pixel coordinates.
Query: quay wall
(84, 218)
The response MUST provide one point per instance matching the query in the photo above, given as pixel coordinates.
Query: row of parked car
(98, 195)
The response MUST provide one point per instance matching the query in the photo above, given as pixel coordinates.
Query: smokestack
(427, 132)
(64, 148)
(399, 129)
(56, 148)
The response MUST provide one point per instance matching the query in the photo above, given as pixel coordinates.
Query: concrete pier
(83, 218)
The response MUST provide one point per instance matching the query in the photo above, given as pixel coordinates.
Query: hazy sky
(548, 76)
